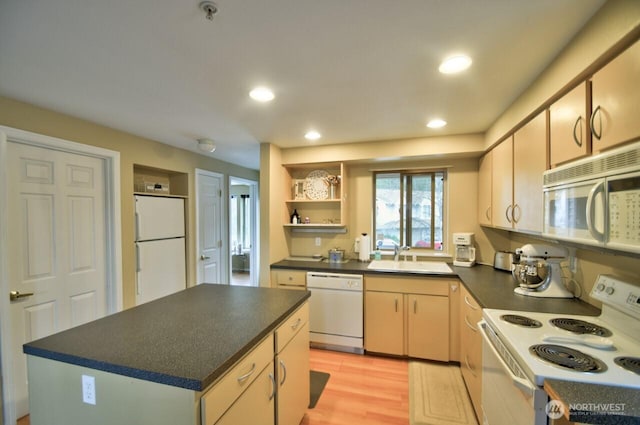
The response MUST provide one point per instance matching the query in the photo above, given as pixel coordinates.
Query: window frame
(406, 197)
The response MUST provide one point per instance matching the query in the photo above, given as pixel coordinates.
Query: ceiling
(354, 70)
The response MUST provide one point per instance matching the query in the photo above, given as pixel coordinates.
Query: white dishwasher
(336, 311)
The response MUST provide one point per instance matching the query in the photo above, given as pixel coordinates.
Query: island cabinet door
(292, 365)
(256, 405)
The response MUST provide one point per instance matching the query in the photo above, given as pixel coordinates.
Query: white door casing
(210, 228)
(61, 243)
(255, 220)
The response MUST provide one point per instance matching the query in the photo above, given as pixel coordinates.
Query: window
(409, 209)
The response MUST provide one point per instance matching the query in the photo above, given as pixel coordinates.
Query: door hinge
(220, 244)
(220, 193)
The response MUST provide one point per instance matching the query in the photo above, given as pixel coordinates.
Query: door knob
(204, 257)
(14, 295)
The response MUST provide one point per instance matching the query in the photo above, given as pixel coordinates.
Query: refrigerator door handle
(138, 268)
(137, 223)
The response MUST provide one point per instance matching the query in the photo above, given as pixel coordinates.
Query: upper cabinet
(615, 97)
(518, 164)
(502, 184)
(484, 189)
(569, 135)
(317, 193)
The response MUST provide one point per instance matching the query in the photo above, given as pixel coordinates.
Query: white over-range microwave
(596, 200)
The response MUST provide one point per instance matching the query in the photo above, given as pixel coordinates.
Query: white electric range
(522, 349)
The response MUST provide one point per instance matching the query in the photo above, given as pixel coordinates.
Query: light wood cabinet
(502, 184)
(569, 135)
(408, 316)
(471, 348)
(518, 164)
(428, 327)
(256, 404)
(270, 385)
(615, 99)
(289, 279)
(313, 198)
(236, 382)
(292, 365)
(529, 162)
(384, 322)
(484, 189)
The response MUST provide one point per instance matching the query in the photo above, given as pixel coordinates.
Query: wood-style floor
(361, 390)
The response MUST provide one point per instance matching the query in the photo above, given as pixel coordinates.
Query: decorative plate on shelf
(316, 186)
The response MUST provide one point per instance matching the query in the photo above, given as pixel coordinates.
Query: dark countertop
(491, 288)
(596, 404)
(187, 339)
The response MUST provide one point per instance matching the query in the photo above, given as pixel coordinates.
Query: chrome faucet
(397, 249)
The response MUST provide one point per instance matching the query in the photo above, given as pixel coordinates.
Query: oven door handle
(523, 384)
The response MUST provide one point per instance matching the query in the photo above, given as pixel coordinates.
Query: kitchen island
(153, 364)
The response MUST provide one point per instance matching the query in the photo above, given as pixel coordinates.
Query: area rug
(318, 381)
(437, 395)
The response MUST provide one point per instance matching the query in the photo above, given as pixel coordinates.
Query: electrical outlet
(318, 241)
(89, 389)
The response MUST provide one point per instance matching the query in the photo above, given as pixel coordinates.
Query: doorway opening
(243, 228)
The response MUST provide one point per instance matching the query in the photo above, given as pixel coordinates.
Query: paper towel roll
(365, 247)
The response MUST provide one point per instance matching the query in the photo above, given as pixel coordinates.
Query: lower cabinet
(255, 406)
(408, 316)
(288, 279)
(292, 364)
(268, 386)
(384, 322)
(471, 348)
(428, 327)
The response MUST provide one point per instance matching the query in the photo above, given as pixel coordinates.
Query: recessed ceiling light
(436, 123)
(261, 94)
(312, 135)
(455, 64)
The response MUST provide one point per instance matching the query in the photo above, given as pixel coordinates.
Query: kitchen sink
(410, 266)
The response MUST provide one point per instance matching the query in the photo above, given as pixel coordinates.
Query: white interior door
(56, 235)
(211, 268)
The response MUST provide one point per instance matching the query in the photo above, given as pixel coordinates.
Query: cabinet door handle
(592, 125)
(467, 302)
(396, 305)
(415, 306)
(466, 320)
(273, 386)
(487, 213)
(284, 373)
(575, 136)
(507, 213)
(204, 257)
(248, 374)
(513, 213)
(295, 325)
(466, 360)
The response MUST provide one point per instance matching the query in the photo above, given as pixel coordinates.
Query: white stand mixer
(538, 272)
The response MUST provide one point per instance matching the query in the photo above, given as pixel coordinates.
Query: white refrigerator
(160, 247)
